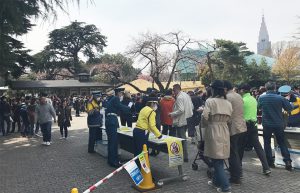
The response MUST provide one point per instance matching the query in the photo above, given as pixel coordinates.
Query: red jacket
(166, 107)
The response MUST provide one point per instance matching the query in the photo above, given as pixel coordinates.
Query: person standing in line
(182, 110)
(31, 116)
(94, 121)
(5, 115)
(16, 115)
(237, 128)
(127, 118)
(45, 112)
(24, 117)
(215, 118)
(250, 116)
(64, 119)
(113, 108)
(37, 124)
(166, 107)
(194, 121)
(77, 107)
(273, 122)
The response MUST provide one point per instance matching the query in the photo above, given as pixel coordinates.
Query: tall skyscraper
(264, 44)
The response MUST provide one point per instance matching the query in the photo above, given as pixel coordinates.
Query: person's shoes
(212, 184)
(186, 160)
(272, 165)
(48, 143)
(235, 182)
(44, 143)
(288, 165)
(267, 172)
(220, 190)
(115, 165)
(61, 138)
(91, 152)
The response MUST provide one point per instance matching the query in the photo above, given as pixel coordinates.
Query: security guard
(94, 121)
(113, 108)
(294, 116)
(146, 123)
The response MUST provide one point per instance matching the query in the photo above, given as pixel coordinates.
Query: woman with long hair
(216, 114)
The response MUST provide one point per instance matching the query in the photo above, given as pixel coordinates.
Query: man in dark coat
(113, 108)
(5, 115)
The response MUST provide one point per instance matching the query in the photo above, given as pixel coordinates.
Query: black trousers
(7, 120)
(169, 130)
(64, 130)
(126, 119)
(252, 139)
(236, 149)
(95, 133)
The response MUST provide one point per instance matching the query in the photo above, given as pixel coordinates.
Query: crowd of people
(227, 115)
(33, 116)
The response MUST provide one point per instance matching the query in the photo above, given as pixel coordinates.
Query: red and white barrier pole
(92, 188)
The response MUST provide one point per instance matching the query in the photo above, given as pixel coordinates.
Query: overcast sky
(122, 20)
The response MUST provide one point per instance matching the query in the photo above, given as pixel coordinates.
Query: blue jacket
(94, 118)
(272, 105)
(114, 106)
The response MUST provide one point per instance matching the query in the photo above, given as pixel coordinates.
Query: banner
(134, 172)
(175, 151)
(143, 163)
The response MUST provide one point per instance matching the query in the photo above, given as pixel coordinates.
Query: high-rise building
(264, 44)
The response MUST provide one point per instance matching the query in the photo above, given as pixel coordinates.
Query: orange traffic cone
(147, 183)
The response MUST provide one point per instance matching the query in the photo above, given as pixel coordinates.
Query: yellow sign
(175, 151)
(143, 163)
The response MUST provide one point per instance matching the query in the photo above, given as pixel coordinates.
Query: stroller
(200, 156)
(206, 160)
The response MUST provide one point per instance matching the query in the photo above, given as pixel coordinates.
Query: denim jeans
(46, 130)
(280, 137)
(219, 178)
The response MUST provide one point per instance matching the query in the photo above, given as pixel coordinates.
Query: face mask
(155, 107)
(121, 98)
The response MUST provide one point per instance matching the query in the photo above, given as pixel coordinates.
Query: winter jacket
(215, 118)
(45, 113)
(237, 123)
(166, 107)
(94, 119)
(146, 121)
(31, 113)
(64, 116)
(182, 110)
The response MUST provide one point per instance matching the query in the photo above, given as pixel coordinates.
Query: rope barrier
(93, 187)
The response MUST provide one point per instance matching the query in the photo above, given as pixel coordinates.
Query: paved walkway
(28, 167)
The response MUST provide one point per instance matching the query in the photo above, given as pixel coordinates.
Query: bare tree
(160, 53)
(279, 47)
